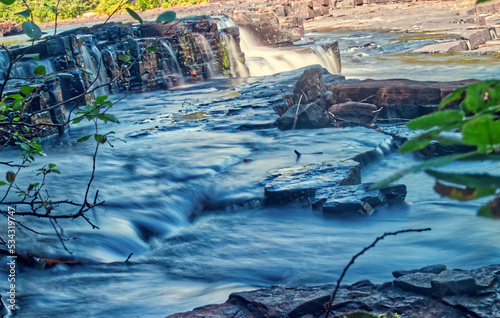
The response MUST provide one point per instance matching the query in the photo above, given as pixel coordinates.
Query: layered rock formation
(121, 57)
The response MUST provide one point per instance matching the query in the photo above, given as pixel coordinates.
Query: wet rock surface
(334, 188)
(410, 295)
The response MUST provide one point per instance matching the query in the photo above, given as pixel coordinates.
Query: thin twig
(60, 238)
(296, 114)
(332, 297)
(129, 257)
(120, 5)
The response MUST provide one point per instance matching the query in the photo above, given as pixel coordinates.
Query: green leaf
(10, 176)
(453, 97)
(7, 2)
(26, 13)
(108, 117)
(443, 119)
(124, 57)
(26, 90)
(53, 8)
(134, 15)
(482, 131)
(32, 30)
(166, 17)
(482, 157)
(56, 171)
(40, 70)
(84, 138)
(51, 165)
(480, 96)
(481, 1)
(152, 49)
(76, 121)
(2, 183)
(101, 99)
(462, 194)
(470, 180)
(415, 144)
(491, 210)
(24, 146)
(100, 138)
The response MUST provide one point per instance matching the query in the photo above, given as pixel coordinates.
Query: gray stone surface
(419, 283)
(282, 301)
(301, 183)
(454, 282)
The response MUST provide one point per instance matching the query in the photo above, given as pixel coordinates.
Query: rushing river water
(181, 196)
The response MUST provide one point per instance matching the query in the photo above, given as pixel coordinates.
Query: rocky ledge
(431, 291)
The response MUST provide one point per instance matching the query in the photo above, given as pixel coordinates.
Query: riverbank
(456, 18)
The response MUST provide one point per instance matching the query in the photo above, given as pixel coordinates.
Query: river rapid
(183, 185)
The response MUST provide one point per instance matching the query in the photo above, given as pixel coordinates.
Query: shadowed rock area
(429, 292)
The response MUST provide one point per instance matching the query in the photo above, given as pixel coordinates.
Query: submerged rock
(421, 301)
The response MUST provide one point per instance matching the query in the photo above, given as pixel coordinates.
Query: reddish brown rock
(10, 28)
(354, 113)
(265, 25)
(399, 98)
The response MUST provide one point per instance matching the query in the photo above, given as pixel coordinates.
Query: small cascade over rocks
(263, 60)
(118, 57)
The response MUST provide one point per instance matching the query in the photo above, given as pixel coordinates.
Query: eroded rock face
(310, 88)
(308, 116)
(265, 25)
(422, 301)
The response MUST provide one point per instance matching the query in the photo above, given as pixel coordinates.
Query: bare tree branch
(332, 297)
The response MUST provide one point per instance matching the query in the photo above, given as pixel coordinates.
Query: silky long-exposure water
(183, 189)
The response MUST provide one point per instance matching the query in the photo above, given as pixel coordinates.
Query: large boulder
(304, 116)
(310, 88)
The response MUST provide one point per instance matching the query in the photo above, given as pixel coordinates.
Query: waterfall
(103, 77)
(207, 53)
(223, 22)
(94, 68)
(267, 61)
(26, 67)
(170, 62)
(4, 64)
(238, 69)
(329, 59)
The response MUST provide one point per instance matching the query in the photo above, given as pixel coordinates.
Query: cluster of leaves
(43, 11)
(475, 123)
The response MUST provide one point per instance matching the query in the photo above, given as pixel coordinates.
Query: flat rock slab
(300, 183)
(282, 301)
(356, 199)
